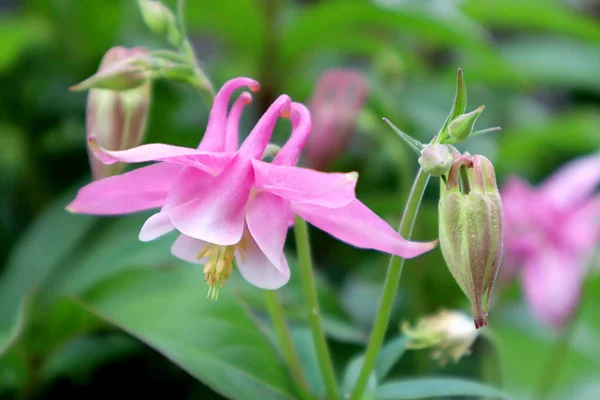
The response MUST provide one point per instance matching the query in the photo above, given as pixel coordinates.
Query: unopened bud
(160, 20)
(116, 118)
(449, 335)
(470, 227)
(436, 159)
(120, 69)
(461, 127)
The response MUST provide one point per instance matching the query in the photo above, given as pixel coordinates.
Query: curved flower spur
(230, 206)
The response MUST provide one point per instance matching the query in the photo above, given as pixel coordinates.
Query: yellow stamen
(219, 266)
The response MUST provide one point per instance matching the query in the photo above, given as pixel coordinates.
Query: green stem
(204, 86)
(285, 339)
(312, 304)
(390, 286)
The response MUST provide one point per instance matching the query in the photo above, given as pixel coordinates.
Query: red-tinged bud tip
(286, 112)
(254, 87)
(246, 98)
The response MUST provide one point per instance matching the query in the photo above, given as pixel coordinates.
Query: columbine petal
(157, 225)
(267, 217)
(301, 124)
(210, 162)
(552, 283)
(137, 190)
(216, 215)
(214, 138)
(574, 182)
(256, 268)
(256, 142)
(233, 121)
(357, 225)
(188, 248)
(189, 184)
(305, 185)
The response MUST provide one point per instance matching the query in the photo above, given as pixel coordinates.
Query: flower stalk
(312, 304)
(282, 332)
(390, 286)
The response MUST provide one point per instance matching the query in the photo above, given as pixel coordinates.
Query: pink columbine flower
(550, 234)
(335, 106)
(228, 205)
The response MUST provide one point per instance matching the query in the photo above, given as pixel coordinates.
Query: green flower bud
(436, 159)
(470, 224)
(461, 127)
(117, 118)
(120, 69)
(160, 20)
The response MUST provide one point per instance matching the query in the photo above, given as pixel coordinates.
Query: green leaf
(305, 347)
(436, 388)
(389, 355)
(555, 62)
(338, 18)
(533, 14)
(10, 332)
(114, 249)
(39, 253)
(78, 358)
(18, 36)
(351, 375)
(217, 342)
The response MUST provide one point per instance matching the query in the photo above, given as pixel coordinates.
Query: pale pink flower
(550, 234)
(229, 205)
(334, 106)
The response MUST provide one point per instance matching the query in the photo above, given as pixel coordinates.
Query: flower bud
(116, 118)
(449, 335)
(470, 225)
(160, 20)
(461, 127)
(120, 69)
(436, 159)
(334, 107)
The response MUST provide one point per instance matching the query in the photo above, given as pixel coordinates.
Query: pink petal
(256, 268)
(290, 152)
(189, 184)
(256, 142)
(267, 217)
(233, 122)
(157, 225)
(305, 185)
(187, 249)
(580, 231)
(357, 225)
(137, 190)
(214, 138)
(216, 215)
(210, 162)
(573, 182)
(552, 284)
(517, 199)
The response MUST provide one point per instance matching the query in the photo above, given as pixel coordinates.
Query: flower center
(219, 266)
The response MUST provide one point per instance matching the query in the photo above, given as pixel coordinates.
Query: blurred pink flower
(334, 106)
(550, 234)
(228, 204)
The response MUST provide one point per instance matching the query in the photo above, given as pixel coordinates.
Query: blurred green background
(87, 311)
